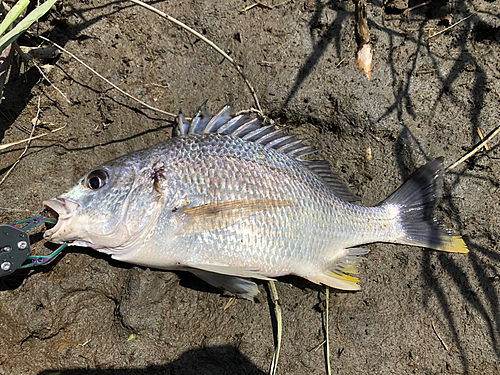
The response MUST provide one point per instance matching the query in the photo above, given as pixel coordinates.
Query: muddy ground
(418, 312)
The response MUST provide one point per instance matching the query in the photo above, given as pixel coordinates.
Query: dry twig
(277, 314)
(106, 80)
(7, 145)
(266, 119)
(416, 7)
(439, 337)
(481, 135)
(232, 301)
(452, 26)
(317, 346)
(28, 57)
(327, 336)
(476, 149)
(340, 63)
(35, 122)
(258, 3)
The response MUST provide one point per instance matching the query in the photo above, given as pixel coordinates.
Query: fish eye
(97, 179)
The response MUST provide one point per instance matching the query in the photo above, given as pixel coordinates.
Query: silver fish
(230, 199)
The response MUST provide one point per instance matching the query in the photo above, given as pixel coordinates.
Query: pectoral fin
(238, 286)
(217, 215)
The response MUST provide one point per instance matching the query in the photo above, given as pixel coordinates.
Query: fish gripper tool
(15, 248)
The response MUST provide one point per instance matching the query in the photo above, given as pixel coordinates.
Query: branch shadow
(332, 34)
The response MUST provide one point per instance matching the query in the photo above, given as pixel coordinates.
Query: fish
(233, 200)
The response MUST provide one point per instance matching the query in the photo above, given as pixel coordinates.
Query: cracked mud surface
(427, 98)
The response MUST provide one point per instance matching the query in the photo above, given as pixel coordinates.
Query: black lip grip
(15, 246)
(14, 249)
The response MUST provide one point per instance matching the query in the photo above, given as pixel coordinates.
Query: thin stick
(327, 337)
(210, 43)
(230, 303)
(341, 61)
(106, 80)
(258, 3)
(49, 81)
(481, 135)
(277, 313)
(260, 113)
(17, 210)
(416, 7)
(425, 71)
(452, 26)
(3, 147)
(317, 346)
(439, 337)
(28, 58)
(27, 144)
(476, 149)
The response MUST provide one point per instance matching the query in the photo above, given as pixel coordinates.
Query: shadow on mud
(207, 361)
(332, 34)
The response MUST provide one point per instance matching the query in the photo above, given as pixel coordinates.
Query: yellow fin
(218, 215)
(337, 281)
(454, 244)
(338, 276)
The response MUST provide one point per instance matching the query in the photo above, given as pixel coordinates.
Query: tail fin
(416, 200)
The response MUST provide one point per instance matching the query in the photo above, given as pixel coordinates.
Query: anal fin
(340, 275)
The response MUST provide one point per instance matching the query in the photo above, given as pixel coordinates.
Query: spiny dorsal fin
(182, 125)
(244, 127)
(254, 130)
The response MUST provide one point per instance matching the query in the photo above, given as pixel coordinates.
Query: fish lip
(64, 209)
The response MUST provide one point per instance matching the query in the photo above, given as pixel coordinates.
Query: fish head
(110, 209)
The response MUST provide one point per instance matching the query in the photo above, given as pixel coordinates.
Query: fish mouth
(63, 210)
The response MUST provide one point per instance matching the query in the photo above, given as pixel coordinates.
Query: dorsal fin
(332, 179)
(254, 130)
(182, 125)
(201, 119)
(244, 127)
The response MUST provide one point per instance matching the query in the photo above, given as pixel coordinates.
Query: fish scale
(230, 199)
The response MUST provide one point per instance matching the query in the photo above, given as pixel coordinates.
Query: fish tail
(416, 201)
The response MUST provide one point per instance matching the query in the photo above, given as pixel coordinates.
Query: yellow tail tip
(459, 245)
(455, 245)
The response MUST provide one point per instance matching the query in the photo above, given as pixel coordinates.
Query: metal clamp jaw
(15, 247)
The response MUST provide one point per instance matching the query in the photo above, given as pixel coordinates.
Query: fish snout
(64, 210)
